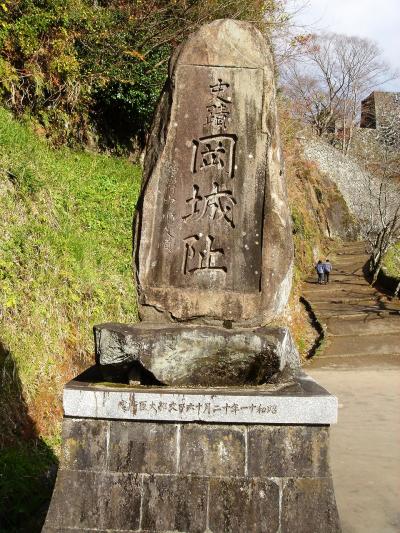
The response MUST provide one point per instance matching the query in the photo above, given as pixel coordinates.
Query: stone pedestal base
(203, 461)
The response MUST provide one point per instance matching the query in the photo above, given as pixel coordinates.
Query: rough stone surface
(213, 237)
(196, 355)
(308, 504)
(244, 505)
(219, 479)
(361, 192)
(172, 503)
(151, 450)
(86, 499)
(288, 451)
(338, 167)
(212, 451)
(84, 443)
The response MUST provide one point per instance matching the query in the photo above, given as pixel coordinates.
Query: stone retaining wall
(343, 170)
(360, 189)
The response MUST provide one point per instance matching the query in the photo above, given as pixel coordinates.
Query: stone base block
(193, 355)
(164, 476)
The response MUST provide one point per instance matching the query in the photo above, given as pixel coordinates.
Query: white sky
(377, 19)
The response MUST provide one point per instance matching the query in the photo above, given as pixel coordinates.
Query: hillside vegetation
(90, 72)
(391, 262)
(65, 264)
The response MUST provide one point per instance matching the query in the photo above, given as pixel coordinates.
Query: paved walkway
(360, 364)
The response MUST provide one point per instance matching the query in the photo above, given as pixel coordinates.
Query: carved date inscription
(198, 408)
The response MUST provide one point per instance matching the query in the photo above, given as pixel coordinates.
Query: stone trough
(194, 355)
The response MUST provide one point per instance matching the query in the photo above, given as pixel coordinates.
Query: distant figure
(320, 271)
(327, 270)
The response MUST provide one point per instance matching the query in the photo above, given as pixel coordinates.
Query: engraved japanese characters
(213, 240)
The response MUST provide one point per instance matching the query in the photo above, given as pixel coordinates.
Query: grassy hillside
(64, 265)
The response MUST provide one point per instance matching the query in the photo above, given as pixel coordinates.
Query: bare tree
(382, 227)
(287, 34)
(382, 212)
(334, 74)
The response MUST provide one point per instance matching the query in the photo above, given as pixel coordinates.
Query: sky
(377, 19)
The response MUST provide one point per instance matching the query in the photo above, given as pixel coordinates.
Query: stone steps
(351, 247)
(349, 278)
(352, 269)
(339, 297)
(359, 307)
(345, 259)
(335, 287)
(378, 362)
(349, 314)
(349, 345)
(376, 325)
(358, 320)
(340, 359)
(348, 244)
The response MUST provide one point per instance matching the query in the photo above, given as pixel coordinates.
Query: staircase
(357, 319)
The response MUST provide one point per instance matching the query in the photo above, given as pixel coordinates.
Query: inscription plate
(210, 222)
(204, 406)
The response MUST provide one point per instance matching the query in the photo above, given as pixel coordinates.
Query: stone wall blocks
(243, 506)
(84, 444)
(85, 500)
(298, 451)
(172, 503)
(212, 450)
(308, 505)
(143, 447)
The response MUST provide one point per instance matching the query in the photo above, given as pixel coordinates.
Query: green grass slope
(65, 264)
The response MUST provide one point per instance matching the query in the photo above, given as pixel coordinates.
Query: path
(360, 364)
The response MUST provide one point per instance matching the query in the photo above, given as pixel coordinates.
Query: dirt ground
(365, 444)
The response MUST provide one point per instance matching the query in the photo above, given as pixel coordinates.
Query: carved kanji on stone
(213, 228)
(199, 256)
(215, 152)
(219, 107)
(218, 204)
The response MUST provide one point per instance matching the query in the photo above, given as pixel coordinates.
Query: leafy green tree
(90, 71)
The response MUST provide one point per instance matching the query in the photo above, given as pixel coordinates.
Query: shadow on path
(27, 465)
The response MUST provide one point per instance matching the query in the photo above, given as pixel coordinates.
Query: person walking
(320, 271)
(327, 270)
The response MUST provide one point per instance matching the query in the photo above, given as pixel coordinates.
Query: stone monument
(199, 418)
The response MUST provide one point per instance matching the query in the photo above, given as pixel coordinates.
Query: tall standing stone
(213, 237)
(213, 245)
